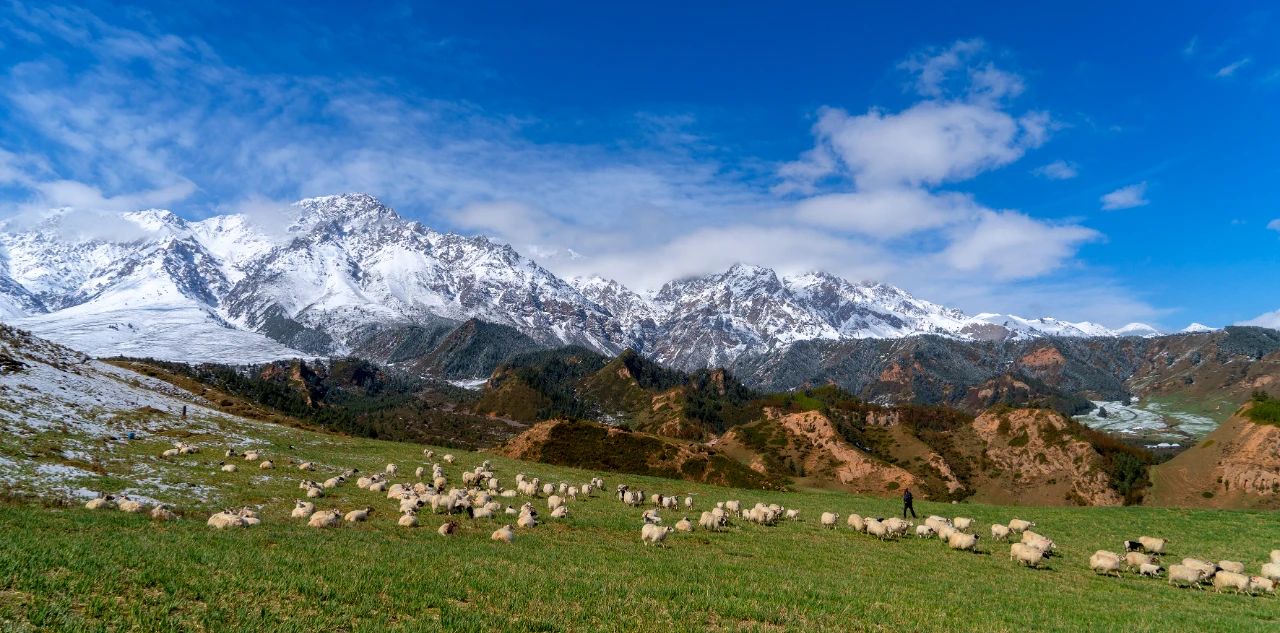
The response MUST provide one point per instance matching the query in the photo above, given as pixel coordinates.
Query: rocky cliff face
(1237, 465)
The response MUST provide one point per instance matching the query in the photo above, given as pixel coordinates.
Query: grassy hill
(67, 422)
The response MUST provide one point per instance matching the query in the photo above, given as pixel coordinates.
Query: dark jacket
(906, 497)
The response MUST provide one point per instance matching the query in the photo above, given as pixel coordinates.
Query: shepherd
(906, 504)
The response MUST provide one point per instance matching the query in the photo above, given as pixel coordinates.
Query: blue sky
(1080, 160)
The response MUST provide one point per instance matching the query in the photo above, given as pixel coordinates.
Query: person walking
(906, 504)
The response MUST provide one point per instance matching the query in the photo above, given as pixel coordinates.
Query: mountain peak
(348, 209)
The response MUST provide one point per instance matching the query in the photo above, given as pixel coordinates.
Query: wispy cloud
(1230, 69)
(1192, 46)
(1274, 225)
(1126, 197)
(1058, 170)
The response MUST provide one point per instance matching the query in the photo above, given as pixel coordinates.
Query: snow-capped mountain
(316, 280)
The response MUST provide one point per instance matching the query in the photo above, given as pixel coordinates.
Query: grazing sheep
(231, 452)
(554, 501)
(229, 468)
(315, 492)
(1206, 569)
(962, 523)
(899, 527)
(417, 472)
(688, 502)
(560, 512)
(325, 519)
(710, 522)
(1025, 554)
(428, 453)
(302, 509)
(1261, 584)
(357, 516)
(504, 533)
(793, 514)
(132, 507)
(251, 456)
(651, 516)
(1185, 576)
(226, 519)
(307, 466)
(1271, 571)
(684, 525)
(937, 523)
(1149, 569)
(408, 519)
(1132, 546)
(162, 513)
(449, 527)
(1018, 525)
(267, 465)
(878, 529)
(249, 516)
(924, 531)
(448, 459)
(1275, 556)
(173, 452)
(1230, 580)
(334, 482)
(856, 522)
(734, 506)
(391, 469)
(653, 534)
(1153, 545)
(527, 521)
(962, 541)
(1105, 562)
(1000, 532)
(1231, 566)
(829, 519)
(1136, 559)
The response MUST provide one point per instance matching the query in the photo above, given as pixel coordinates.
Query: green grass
(1265, 412)
(72, 569)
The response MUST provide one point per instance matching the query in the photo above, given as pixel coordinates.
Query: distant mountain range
(346, 275)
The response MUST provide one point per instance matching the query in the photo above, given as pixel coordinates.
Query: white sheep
(527, 521)
(1153, 545)
(1136, 559)
(1231, 566)
(924, 531)
(1025, 554)
(229, 468)
(653, 534)
(307, 466)
(1261, 584)
(1184, 575)
(793, 514)
(448, 459)
(829, 519)
(504, 533)
(131, 506)
(173, 452)
(391, 469)
(1230, 580)
(734, 506)
(1000, 532)
(251, 456)
(962, 523)
(709, 522)
(302, 509)
(226, 519)
(1105, 562)
(855, 522)
(554, 501)
(408, 519)
(684, 525)
(1271, 571)
(961, 541)
(877, 529)
(560, 512)
(1149, 569)
(428, 453)
(267, 465)
(449, 527)
(325, 519)
(1275, 556)
(688, 502)
(1019, 525)
(162, 513)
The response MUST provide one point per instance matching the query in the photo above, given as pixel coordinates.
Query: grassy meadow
(64, 568)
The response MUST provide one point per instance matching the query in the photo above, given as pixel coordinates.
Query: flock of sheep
(482, 496)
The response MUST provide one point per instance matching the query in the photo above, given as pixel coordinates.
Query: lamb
(132, 507)
(792, 514)
(1271, 571)
(266, 465)
(684, 525)
(391, 469)
(962, 523)
(408, 519)
(1105, 562)
(1025, 554)
(1149, 569)
(962, 541)
(357, 516)
(162, 513)
(1231, 566)
(226, 519)
(229, 468)
(829, 519)
(1185, 576)
(417, 472)
(173, 452)
(1153, 545)
(1018, 525)
(428, 453)
(527, 521)
(688, 502)
(560, 512)
(449, 527)
(504, 533)
(249, 516)
(1230, 580)
(653, 534)
(924, 531)
(325, 519)
(999, 532)
(448, 459)
(1261, 584)
(855, 522)
(302, 509)
(187, 449)
(308, 466)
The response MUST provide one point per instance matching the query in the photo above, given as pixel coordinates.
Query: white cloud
(1269, 319)
(1011, 245)
(1058, 170)
(886, 213)
(1274, 225)
(1233, 67)
(1126, 197)
(1192, 46)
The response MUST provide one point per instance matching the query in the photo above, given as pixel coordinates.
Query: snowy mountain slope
(329, 270)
